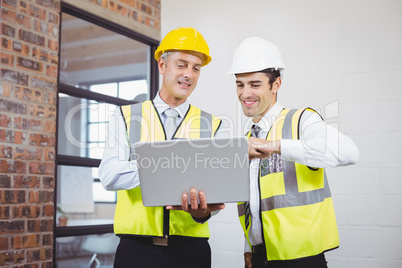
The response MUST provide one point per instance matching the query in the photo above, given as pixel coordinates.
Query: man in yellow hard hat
(170, 237)
(289, 220)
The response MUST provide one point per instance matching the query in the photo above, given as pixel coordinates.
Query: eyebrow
(187, 62)
(250, 82)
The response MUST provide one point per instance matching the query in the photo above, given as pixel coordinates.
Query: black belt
(162, 241)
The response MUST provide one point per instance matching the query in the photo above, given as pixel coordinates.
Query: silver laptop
(218, 166)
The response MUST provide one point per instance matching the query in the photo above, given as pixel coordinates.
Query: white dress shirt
(320, 146)
(115, 171)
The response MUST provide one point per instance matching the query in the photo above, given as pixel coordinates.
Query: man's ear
(276, 85)
(161, 66)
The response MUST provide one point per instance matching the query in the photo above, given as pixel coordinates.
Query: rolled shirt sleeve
(115, 171)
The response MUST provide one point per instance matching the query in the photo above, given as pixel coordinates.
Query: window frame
(67, 160)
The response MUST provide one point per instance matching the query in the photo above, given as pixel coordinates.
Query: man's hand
(260, 148)
(201, 210)
(248, 257)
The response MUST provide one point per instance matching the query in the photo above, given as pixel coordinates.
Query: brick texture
(29, 49)
(28, 71)
(145, 12)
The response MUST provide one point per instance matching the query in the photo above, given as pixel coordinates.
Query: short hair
(272, 74)
(165, 56)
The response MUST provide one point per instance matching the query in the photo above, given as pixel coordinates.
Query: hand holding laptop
(201, 210)
(216, 167)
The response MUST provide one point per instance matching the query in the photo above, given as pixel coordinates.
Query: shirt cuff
(247, 246)
(292, 150)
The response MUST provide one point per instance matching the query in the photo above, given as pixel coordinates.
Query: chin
(181, 96)
(184, 94)
(247, 112)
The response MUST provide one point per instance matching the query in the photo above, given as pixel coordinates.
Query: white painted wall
(341, 54)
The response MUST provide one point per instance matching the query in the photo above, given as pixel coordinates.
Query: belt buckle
(160, 241)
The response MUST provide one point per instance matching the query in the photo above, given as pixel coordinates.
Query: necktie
(170, 124)
(254, 133)
(255, 130)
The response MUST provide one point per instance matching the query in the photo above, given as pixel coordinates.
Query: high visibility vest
(131, 216)
(296, 208)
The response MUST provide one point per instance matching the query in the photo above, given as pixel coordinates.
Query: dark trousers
(142, 253)
(260, 261)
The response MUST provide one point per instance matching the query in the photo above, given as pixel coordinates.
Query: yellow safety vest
(132, 217)
(296, 208)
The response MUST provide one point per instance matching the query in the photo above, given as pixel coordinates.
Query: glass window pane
(101, 195)
(79, 126)
(96, 150)
(75, 185)
(106, 89)
(92, 55)
(100, 112)
(72, 125)
(97, 132)
(134, 90)
(76, 197)
(77, 251)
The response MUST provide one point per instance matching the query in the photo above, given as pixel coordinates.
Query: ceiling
(90, 53)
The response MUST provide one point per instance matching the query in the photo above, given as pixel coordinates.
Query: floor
(106, 261)
(70, 253)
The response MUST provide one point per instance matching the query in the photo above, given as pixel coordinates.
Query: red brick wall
(28, 72)
(29, 44)
(146, 12)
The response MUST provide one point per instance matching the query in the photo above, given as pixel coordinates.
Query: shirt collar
(269, 118)
(162, 106)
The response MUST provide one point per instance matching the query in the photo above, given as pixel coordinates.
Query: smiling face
(256, 94)
(180, 76)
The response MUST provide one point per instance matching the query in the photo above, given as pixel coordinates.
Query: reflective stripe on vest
(298, 219)
(131, 217)
(293, 197)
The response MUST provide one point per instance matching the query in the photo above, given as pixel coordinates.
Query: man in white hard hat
(163, 237)
(289, 220)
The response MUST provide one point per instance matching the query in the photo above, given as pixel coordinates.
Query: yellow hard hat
(184, 39)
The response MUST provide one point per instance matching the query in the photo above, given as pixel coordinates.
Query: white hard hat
(256, 54)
